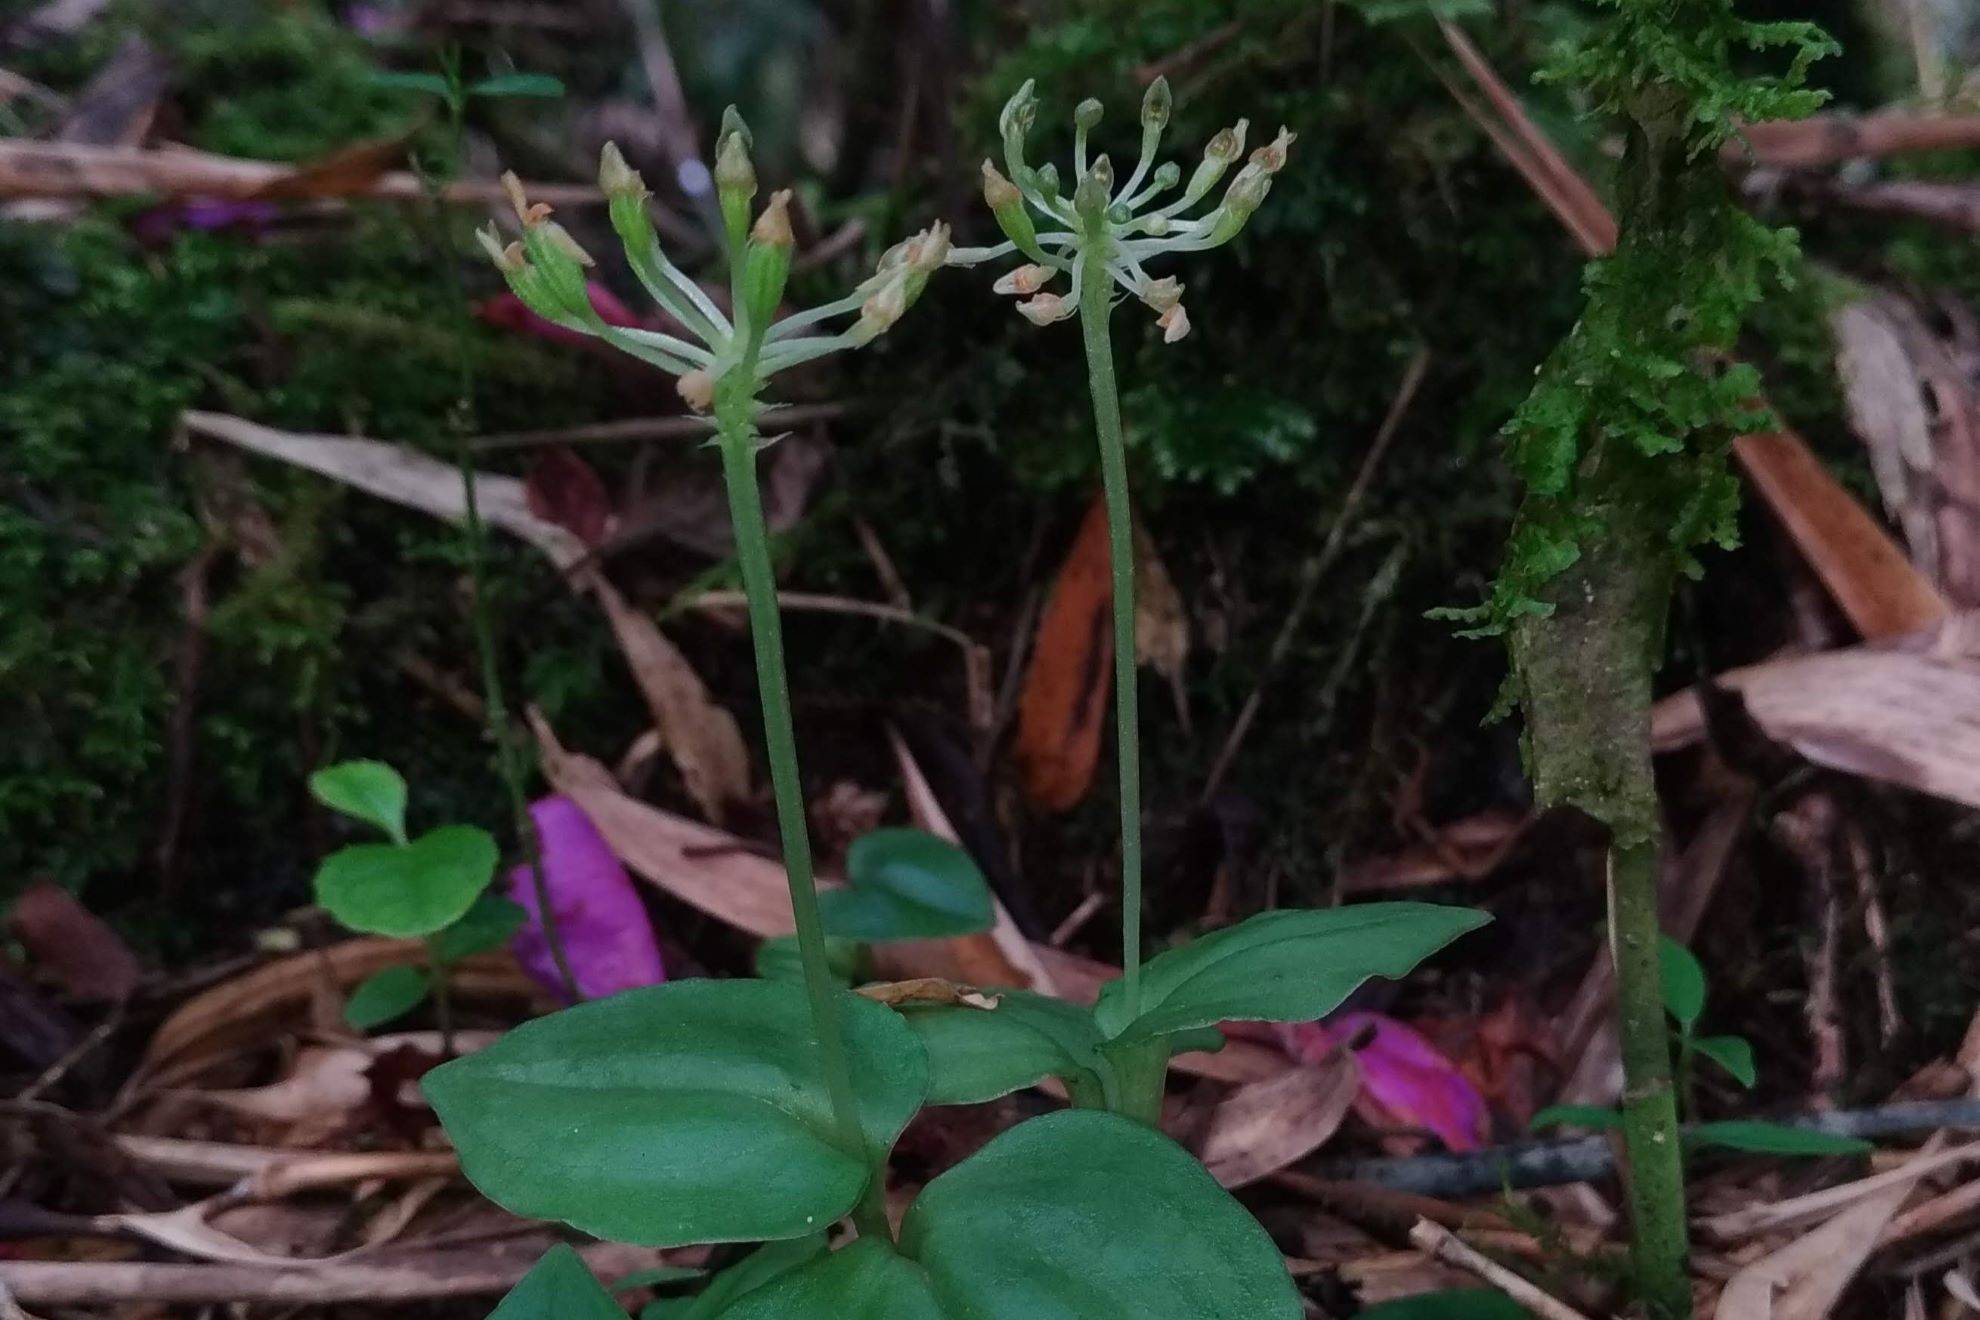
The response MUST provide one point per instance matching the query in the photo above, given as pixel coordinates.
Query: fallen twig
(1440, 1243)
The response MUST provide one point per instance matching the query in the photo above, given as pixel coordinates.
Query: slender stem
(475, 539)
(1095, 303)
(443, 995)
(736, 438)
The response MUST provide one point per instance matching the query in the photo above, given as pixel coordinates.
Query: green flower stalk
(722, 366)
(1100, 239)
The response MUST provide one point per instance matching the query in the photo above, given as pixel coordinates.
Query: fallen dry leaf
(700, 736)
(348, 171)
(1265, 1126)
(564, 489)
(926, 990)
(72, 946)
(1905, 713)
(1064, 703)
(1161, 624)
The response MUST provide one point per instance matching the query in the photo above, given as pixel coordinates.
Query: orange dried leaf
(1064, 704)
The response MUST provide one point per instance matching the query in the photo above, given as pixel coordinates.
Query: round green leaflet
(386, 994)
(1080, 1215)
(1289, 966)
(907, 884)
(682, 1113)
(407, 890)
(369, 791)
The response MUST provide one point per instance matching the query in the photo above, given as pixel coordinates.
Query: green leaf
(977, 1054)
(559, 1288)
(487, 925)
(1759, 1138)
(1454, 1304)
(370, 791)
(432, 84)
(778, 959)
(1684, 982)
(1588, 1116)
(384, 995)
(1086, 1213)
(682, 1113)
(1282, 966)
(507, 85)
(866, 1281)
(759, 1269)
(907, 885)
(1733, 1053)
(410, 889)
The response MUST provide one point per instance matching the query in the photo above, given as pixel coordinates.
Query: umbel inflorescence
(741, 349)
(1116, 228)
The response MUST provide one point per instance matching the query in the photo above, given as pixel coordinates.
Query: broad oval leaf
(1733, 1053)
(411, 889)
(680, 1113)
(486, 925)
(1684, 981)
(1086, 1215)
(1290, 966)
(561, 1287)
(865, 1281)
(388, 993)
(779, 959)
(907, 884)
(1758, 1138)
(370, 791)
(977, 1054)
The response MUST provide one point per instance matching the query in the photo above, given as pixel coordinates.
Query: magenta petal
(1402, 1073)
(601, 923)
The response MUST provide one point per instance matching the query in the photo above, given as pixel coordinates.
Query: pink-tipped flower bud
(1162, 294)
(1045, 309)
(1174, 323)
(697, 390)
(773, 227)
(927, 250)
(998, 191)
(1272, 156)
(530, 213)
(1024, 281)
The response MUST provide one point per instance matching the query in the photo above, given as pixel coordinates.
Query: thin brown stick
(1316, 567)
(1439, 1243)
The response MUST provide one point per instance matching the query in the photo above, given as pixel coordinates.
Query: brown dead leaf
(345, 172)
(1469, 848)
(1904, 713)
(1820, 141)
(72, 946)
(401, 475)
(1265, 1126)
(1857, 561)
(1064, 704)
(701, 736)
(926, 990)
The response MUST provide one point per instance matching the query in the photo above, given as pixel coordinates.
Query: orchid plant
(764, 1110)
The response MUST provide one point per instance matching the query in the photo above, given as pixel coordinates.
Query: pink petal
(600, 921)
(1406, 1080)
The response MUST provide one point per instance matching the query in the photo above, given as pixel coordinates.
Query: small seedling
(432, 888)
(1685, 993)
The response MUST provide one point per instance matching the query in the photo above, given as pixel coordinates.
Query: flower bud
(885, 306)
(1156, 105)
(1047, 178)
(1272, 156)
(1167, 175)
(1162, 294)
(998, 191)
(735, 178)
(1007, 204)
(1096, 188)
(767, 263)
(1018, 114)
(616, 178)
(1247, 191)
(1088, 114)
(1174, 323)
(697, 390)
(1024, 281)
(924, 253)
(1156, 226)
(1228, 145)
(1045, 309)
